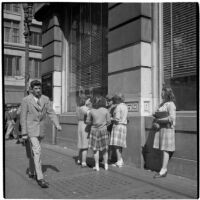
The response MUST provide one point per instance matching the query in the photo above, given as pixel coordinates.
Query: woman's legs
(163, 171)
(79, 157)
(120, 161)
(105, 157)
(96, 158)
(84, 156)
(165, 162)
(119, 154)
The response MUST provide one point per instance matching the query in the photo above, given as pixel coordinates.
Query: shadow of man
(31, 167)
(45, 167)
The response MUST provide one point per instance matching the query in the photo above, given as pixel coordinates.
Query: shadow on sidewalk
(45, 167)
(90, 161)
(152, 157)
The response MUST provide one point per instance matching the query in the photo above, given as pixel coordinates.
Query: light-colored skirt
(99, 139)
(165, 139)
(118, 135)
(82, 136)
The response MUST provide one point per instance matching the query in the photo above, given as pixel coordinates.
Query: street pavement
(69, 181)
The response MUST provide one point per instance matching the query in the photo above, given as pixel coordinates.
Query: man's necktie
(38, 102)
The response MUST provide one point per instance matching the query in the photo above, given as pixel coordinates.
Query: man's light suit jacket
(32, 117)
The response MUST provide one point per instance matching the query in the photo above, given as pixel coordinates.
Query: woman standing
(111, 107)
(82, 145)
(165, 136)
(119, 129)
(99, 118)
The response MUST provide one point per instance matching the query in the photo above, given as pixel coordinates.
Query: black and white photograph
(100, 99)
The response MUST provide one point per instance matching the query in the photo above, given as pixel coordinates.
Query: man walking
(34, 109)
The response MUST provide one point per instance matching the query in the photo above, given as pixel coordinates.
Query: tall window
(12, 7)
(35, 68)
(180, 51)
(88, 51)
(11, 31)
(36, 38)
(12, 66)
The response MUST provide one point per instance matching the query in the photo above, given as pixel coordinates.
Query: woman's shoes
(106, 166)
(78, 162)
(118, 164)
(83, 165)
(158, 175)
(96, 168)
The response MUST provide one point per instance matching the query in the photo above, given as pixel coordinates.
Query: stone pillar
(130, 67)
(52, 56)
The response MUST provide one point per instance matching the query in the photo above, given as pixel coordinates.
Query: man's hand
(59, 128)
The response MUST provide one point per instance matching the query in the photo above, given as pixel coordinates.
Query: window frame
(15, 62)
(83, 32)
(161, 64)
(12, 8)
(32, 67)
(36, 39)
(14, 25)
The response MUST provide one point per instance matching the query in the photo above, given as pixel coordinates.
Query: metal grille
(88, 46)
(180, 39)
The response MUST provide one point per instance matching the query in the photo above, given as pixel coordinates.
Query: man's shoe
(33, 176)
(42, 183)
(30, 174)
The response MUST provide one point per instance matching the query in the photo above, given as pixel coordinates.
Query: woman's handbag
(161, 114)
(164, 123)
(88, 128)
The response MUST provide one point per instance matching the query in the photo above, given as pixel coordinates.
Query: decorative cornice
(21, 47)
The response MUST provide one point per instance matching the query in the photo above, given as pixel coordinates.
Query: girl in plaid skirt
(99, 118)
(119, 129)
(165, 135)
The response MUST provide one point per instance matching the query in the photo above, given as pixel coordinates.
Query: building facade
(132, 48)
(14, 52)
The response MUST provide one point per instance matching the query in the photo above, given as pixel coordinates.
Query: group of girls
(101, 124)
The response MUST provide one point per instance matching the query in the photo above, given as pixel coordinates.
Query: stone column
(130, 67)
(52, 56)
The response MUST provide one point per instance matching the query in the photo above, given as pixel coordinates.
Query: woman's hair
(109, 98)
(98, 102)
(169, 95)
(118, 98)
(82, 101)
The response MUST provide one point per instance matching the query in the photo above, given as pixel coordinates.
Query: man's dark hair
(35, 83)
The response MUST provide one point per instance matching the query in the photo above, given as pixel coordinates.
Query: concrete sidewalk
(70, 181)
